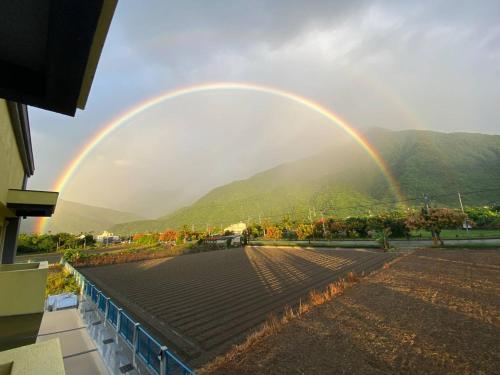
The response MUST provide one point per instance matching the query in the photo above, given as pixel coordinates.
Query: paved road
(396, 243)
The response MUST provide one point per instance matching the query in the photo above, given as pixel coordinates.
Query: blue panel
(176, 366)
(148, 349)
(112, 313)
(101, 302)
(127, 328)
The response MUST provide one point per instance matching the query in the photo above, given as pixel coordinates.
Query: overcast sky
(431, 65)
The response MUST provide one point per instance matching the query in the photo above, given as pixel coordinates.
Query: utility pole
(462, 207)
(323, 222)
(426, 200)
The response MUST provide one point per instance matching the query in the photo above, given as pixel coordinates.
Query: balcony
(40, 358)
(22, 297)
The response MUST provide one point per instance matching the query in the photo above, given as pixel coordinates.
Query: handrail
(156, 357)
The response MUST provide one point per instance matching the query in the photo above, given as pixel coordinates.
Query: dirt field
(201, 304)
(433, 312)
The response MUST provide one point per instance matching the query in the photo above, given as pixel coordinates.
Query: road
(370, 243)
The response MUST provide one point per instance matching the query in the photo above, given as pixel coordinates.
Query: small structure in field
(223, 242)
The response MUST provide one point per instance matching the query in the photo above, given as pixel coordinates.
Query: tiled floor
(80, 354)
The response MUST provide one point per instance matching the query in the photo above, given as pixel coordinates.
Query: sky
(398, 65)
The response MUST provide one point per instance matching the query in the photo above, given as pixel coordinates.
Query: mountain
(76, 217)
(345, 181)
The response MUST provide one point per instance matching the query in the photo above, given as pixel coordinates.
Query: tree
(386, 225)
(137, 237)
(255, 230)
(382, 237)
(435, 220)
(336, 227)
(304, 231)
(273, 233)
(168, 235)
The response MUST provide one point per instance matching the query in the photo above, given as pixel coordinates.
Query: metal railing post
(135, 342)
(118, 323)
(163, 360)
(106, 310)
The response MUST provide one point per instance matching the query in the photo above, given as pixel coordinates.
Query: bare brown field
(434, 311)
(202, 304)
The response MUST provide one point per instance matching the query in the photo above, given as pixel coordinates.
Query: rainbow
(121, 119)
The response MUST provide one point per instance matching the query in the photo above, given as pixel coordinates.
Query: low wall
(23, 288)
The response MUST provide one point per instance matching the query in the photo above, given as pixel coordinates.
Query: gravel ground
(432, 312)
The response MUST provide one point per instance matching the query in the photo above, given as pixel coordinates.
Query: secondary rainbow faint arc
(118, 121)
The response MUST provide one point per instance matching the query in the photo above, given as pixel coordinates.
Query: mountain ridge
(75, 217)
(345, 177)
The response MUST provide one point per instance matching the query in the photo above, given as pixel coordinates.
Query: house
(49, 51)
(107, 238)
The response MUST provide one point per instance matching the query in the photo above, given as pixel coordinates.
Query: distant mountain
(345, 181)
(75, 217)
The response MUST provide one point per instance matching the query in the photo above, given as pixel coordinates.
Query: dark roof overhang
(24, 203)
(49, 50)
(21, 128)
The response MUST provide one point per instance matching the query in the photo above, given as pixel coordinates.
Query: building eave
(21, 128)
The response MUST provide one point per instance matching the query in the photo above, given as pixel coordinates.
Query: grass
(452, 234)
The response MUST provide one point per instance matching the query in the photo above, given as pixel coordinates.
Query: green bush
(61, 282)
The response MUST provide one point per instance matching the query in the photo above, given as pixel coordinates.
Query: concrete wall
(11, 167)
(44, 358)
(22, 288)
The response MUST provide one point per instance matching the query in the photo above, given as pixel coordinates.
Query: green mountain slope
(345, 181)
(75, 217)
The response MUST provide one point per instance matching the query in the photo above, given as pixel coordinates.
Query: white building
(107, 237)
(238, 228)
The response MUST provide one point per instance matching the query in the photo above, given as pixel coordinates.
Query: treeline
(170, 236)
(382, 227)
(38, 243)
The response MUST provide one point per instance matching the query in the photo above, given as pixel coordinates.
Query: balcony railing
(156, 358)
